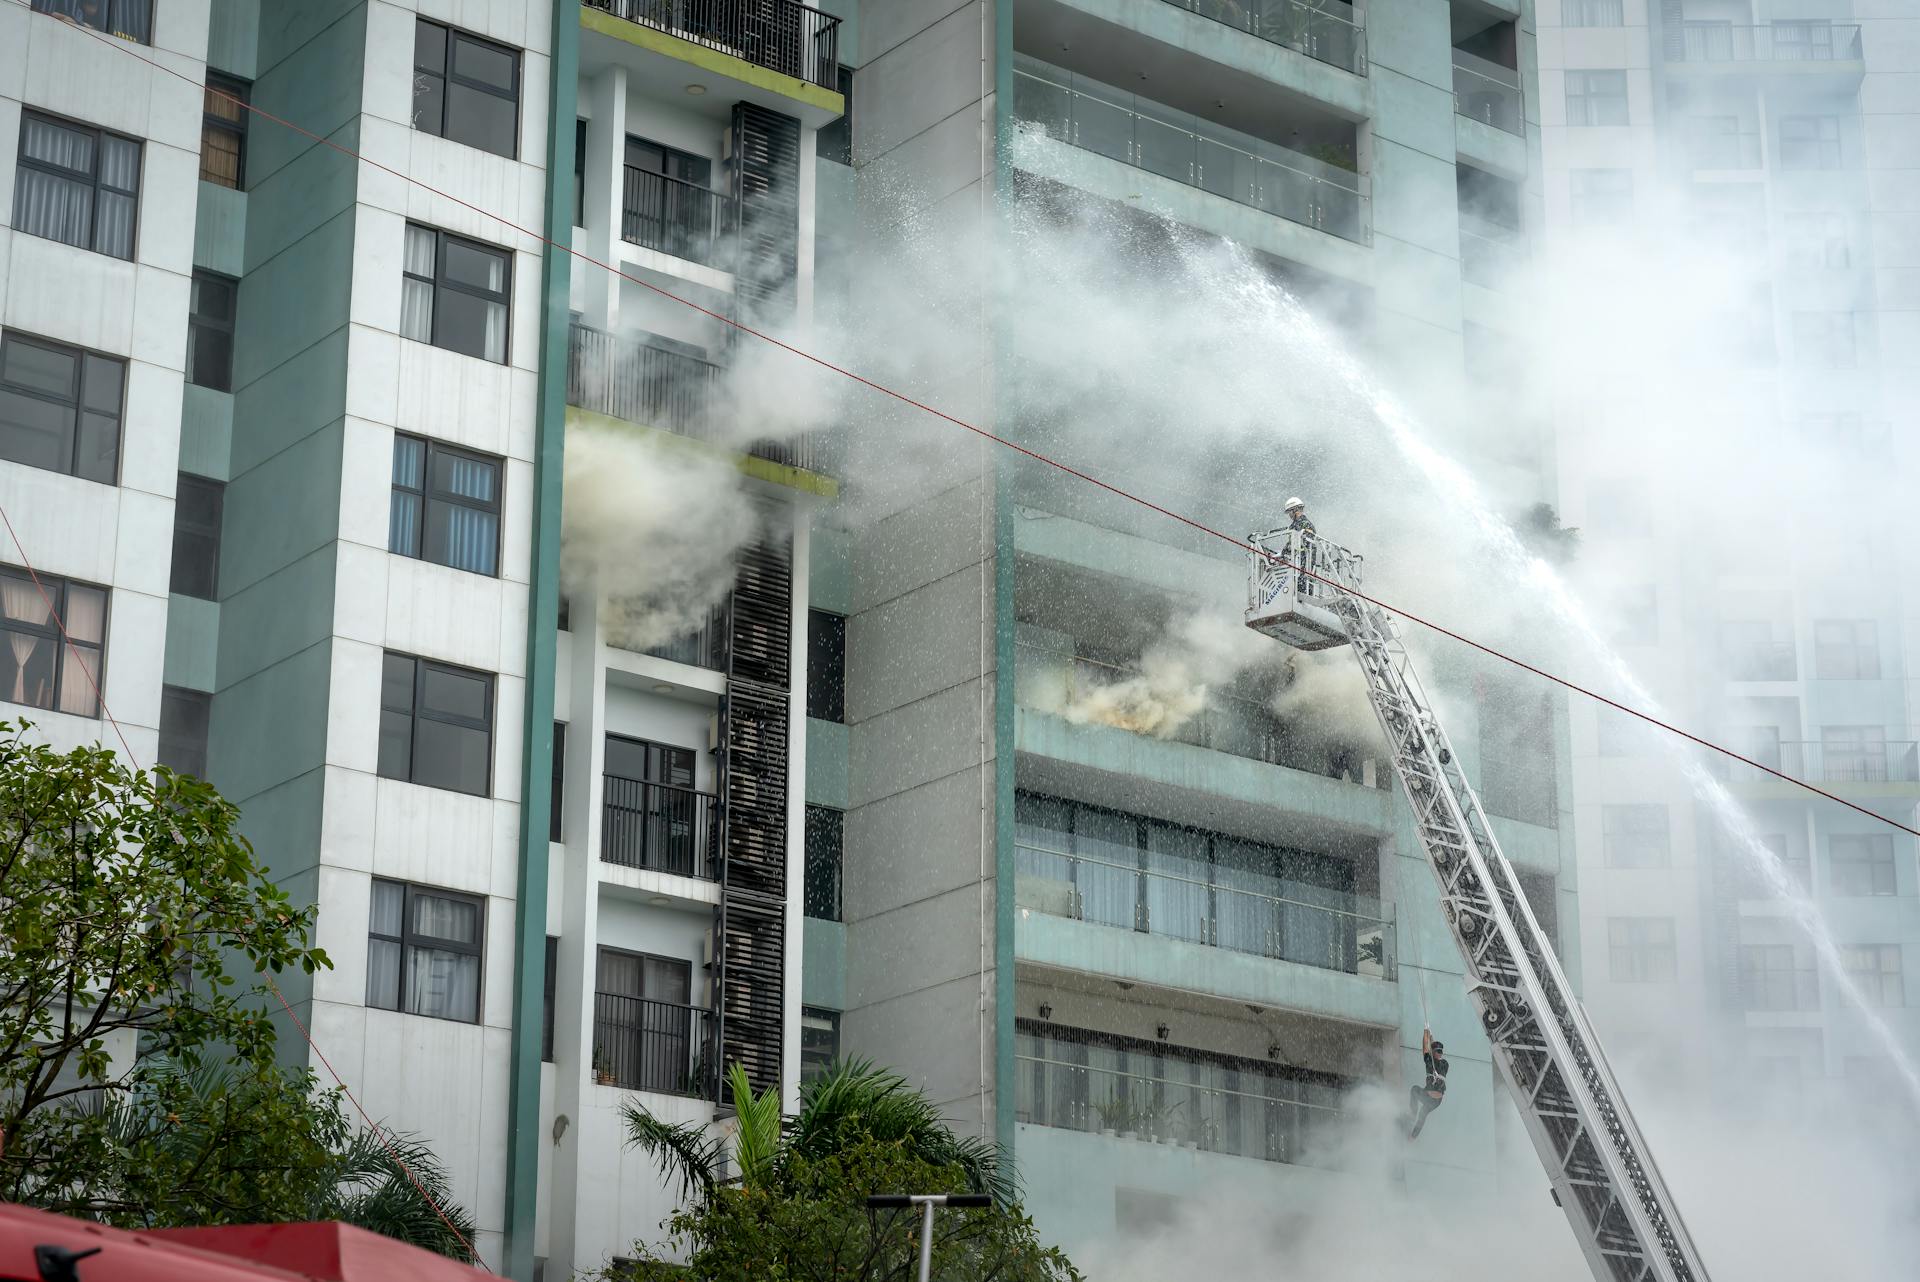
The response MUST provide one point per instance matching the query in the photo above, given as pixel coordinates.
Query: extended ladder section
(1602, 1172)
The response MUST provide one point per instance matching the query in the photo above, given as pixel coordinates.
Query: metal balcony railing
(676, 217)
(1174, 144)
(1770, 42)
(1893, 761)
(1326, 30)
(658, 827)
(1485, 91)
(781, 35)
(1240, 910)
(644, 1045)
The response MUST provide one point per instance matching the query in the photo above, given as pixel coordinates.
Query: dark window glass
(579, 173)
(453, 293)
(210, 331)
(546, 1006)
(76, 185)
(556, 808)
(126, 19)
(60, 408)
(565, 621)
(445, 506)
(826, 666)
(819, 1040)
(39, 668)
(184, 716)
(645, 762)
(656, 158)
(424, 950)
(825, 839)
(436, 724)
(223, 132)
(197, 504)
(466, 89)
(835, 140)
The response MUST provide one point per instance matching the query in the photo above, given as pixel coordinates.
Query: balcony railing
(1773, 42)
(1485, 91)
(1895, 761)
(676, 217)
(628, 378)
(1250, 913)
(643, 1045)
(1326, 30)
(658, 827)
(1197, 1104)
(1177, 145)
(781, 35)
(1491, 257)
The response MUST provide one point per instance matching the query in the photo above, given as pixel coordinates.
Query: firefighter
(1423, 1099)
(1297, 519)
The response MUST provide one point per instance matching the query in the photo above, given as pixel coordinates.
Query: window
(60, 408)
(1810, 142)
(826, 666)
(1853, 754)
(436, 724)
(466, 89)
(819, 1040)
(557, 804)
(223, 132)
(127, 19)
(579, 173)
(1861, 864)
(446, 505)
(651, 815)
(210, 331)
(546, 999)
(1818, 240)
(1721, 142)
(1846, 650)
(1635, 836)
(1591, 13)
(1824, 340)
(38, 667)
(1596, 97)
(423, 951)
(1772, 978)
(1876, 971)
(1601, 197)
(1640, 949)
(184, 715)
(644, 1031)
(197, 504)
(454, 294)
(1758, 650)
(834, 141)
(76, 185)
(826, 829)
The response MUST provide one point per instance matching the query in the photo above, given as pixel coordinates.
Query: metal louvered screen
(766, 165)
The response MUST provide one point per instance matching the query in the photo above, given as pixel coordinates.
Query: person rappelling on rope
(1426, 1097)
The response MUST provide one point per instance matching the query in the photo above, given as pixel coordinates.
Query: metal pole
(927, 1202)
(926, 1241)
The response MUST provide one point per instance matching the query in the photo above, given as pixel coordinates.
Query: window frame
(1589, 99)
(58, 592)
(1880, 972)
(198, 320)
(815, 821)
(1578, 14)
(827, 649)
(439, 283)
(211, 534)
(93, 181)
(421, 666)
(83, 356)
(241, 91)
(108, 27)
(1822, 143)
(556, 808)
(408, 939)
(822, 1017)
(202, 703)
(1861, 651)
(1873, 868)
(450, 36)
(427, 496)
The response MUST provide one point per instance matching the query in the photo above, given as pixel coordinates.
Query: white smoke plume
(1176, 672)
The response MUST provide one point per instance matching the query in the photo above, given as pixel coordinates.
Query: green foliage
(853, 1097)
(1543, 534)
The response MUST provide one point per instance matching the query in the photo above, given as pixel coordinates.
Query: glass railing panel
(1484, 90)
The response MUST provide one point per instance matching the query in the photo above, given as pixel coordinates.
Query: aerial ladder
(1303, 590)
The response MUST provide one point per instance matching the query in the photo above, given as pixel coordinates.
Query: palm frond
(757, 1141)
(393, 1188)
(683, 1149)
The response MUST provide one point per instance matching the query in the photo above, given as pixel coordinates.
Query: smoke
(1176, 673)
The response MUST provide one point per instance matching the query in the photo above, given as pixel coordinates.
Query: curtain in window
(1178, 896)
(443, 984)
(444, 918)
(119, 168)
(472, 535)
(79, 680)
(403, 516)
(383, 955)
(23, 601)
(496, 335)
(1107, 870)
(133, 20)
(57, 208)
(416, 296)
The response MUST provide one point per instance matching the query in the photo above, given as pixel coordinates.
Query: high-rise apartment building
(1779, 137)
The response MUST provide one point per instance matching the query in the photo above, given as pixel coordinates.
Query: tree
(1540, 529)
(797, 1211)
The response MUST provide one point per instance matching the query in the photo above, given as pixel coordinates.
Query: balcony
(1491, 256)
(1485, 91)
(1257, 914)
(679, 218)
(1084, 113)
(1325, 30)
(1893, 761)
(659, 827)
(1778, 42)
(641, 1045)
(783, 36)
(627, 377)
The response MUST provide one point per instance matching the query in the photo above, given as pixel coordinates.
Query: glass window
(1810, 142)
(1640, 949)
(1591, 13)
(1853, 754)
(826, 666)
(1600, 197)
(436, 724)
(546, 999)
(1846, 650)
(446, 505)
(834, 141)
(39, 668)
(76, 185)
(210, 331)
(579, 173)
(819, 1040)
(1877, 970)
(1596, 97)
(825, 838)
(184, 716)
(466, 89)
(1773, 978)
(557, 804)
(454, 293)
(1861, 864)
(424, 951)
(223, 132)
(1635, 836)
(60, 408)
(197, 505)
(126, 19)
(1824, 340)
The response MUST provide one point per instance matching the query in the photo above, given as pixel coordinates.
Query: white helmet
(1295, 503)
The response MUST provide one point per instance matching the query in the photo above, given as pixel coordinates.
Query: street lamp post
(926, 1202)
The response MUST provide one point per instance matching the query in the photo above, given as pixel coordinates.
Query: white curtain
(23, 601)
(444, 984)
(416, 296)
(496, 337)
(79, 680)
